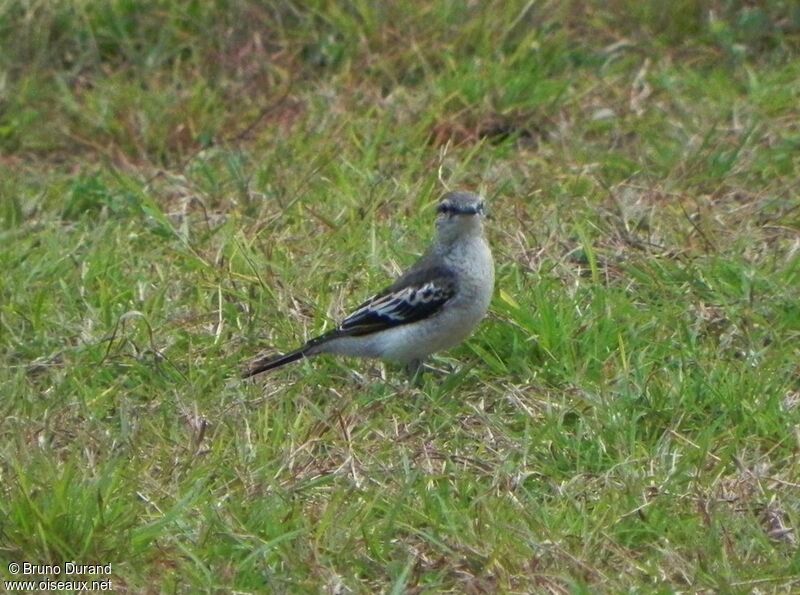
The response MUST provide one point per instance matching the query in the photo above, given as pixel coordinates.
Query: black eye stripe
(446, 207)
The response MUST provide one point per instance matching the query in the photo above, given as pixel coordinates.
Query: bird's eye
(444, 207)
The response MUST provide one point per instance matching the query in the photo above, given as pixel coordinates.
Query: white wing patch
(408, 304)
(398, 305)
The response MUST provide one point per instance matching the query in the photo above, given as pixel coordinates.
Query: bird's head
(459, 214)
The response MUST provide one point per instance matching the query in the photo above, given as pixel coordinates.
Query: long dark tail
(270, 362)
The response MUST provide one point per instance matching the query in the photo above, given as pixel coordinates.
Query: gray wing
(417, 295)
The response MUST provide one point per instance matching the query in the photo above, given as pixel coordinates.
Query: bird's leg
(414, 368)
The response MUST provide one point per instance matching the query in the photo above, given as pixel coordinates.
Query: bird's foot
(415, 369)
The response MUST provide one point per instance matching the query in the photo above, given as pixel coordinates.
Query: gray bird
(433, 306)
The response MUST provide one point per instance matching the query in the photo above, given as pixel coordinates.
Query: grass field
(186, 184)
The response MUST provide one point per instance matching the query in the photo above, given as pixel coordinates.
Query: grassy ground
(186, 184)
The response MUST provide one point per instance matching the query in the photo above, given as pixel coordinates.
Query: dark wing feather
(418, 294)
